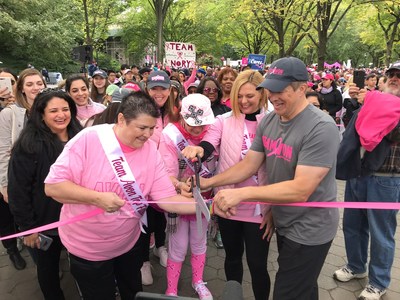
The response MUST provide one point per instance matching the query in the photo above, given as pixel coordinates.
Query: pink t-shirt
(160, 125)
(107, 235)
(245, 212)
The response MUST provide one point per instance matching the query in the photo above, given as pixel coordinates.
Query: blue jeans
(380, 224)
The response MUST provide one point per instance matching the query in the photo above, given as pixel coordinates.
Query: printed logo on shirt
(277, 148)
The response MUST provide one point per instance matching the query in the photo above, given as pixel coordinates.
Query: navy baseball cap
(282, 72)
(158, 78)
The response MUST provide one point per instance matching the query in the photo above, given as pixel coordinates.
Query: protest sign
(180, 55)
(256, 61)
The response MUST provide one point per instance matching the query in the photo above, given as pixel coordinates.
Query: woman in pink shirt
(196, 115)
(77, 87)
(115, 168)
(231, 135)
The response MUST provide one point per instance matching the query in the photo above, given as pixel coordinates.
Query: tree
(285, 21)
(39, 32)
(240, 27)
(160, 8)
(328, 16)
(389, 19)
(98, 16)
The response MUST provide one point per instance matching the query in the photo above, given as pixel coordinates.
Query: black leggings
(237, 235)
(156, 223)
(7, 226)
(48, 270)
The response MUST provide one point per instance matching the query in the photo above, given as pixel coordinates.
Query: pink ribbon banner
(353, 205)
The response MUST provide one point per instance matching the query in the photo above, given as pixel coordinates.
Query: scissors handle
(197, 164)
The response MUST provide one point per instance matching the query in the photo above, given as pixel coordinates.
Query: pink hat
(317, 77)
(310, 84)
(329, 76)
(132, 86)
(196, 110)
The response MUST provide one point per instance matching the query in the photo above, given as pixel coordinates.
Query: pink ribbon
(353, 205)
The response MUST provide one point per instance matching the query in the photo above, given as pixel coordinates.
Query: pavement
(22, 285)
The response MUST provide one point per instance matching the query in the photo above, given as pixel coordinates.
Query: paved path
(22, 285)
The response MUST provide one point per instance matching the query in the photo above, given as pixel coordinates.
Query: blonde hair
(20, 97)
(248, 76)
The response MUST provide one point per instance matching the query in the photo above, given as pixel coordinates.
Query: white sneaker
(202, 291)
(371, 293)
(345, 274)
(147, 278)
(162, 253)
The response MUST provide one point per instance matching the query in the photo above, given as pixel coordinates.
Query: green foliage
(38, 32)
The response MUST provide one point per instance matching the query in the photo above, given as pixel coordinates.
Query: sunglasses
(208, 90)
(393, 74)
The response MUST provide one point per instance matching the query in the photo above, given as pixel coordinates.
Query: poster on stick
(180, 55)
(256, 61)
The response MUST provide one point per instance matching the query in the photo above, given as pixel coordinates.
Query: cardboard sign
(180, 55)
(256, 61)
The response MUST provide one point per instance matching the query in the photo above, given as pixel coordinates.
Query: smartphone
(359, 78)
(6, 82)
(45, 242)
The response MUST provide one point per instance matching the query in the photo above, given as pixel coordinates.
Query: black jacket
(333, 101)
(28, 202)
(219, 109)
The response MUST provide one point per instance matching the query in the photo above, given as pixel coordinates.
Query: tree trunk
(87, 27)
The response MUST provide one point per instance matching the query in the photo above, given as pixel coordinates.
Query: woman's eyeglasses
(393, 74)
(208, 90)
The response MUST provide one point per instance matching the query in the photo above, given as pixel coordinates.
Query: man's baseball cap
(158, 78)
(394, 66)
(282, 72)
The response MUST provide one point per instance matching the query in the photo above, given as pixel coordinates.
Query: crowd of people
(129, 144)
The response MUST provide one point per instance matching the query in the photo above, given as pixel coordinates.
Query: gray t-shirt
(311, 139)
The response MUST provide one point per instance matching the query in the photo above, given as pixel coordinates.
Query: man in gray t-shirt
(309, 139)
(299, 144)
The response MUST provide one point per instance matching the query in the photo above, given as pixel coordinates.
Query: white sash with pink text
(245, 148)
(180, 143)
(123, 172)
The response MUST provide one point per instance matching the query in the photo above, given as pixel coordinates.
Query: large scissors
(201, 207)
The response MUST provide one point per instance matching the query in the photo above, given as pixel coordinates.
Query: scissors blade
(201, 207)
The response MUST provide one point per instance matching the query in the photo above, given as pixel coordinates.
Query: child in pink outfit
(196, 114)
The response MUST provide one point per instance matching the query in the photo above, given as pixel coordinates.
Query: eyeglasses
(393, 74)
(208, 90)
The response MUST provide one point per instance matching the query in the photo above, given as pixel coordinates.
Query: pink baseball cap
(132, 86)
(328, 76)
